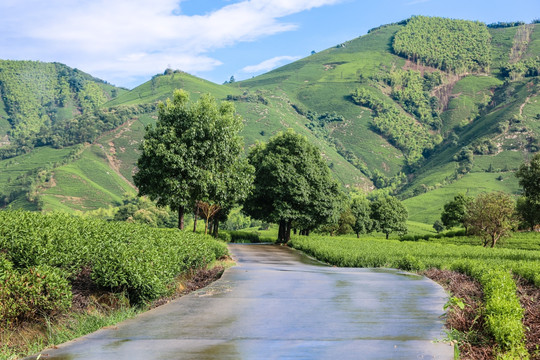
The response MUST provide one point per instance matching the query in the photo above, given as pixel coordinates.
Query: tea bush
(133, 258)
(32, 292)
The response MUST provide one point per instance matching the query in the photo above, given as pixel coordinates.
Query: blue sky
(125, 42)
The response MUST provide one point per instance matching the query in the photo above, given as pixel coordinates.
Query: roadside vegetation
(51, 263)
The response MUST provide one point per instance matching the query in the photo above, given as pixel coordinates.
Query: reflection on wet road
(279, 304)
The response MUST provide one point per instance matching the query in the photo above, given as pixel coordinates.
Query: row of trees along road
(192, 159)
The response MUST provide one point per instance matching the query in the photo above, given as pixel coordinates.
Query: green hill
(389, 110)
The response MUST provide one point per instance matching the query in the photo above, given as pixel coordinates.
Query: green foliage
(402, 130)
(243, 237)
(411, 90)
(87, 127)
(36, 95)
(491, 216)
(137, 259)
(528, 175)
(136, 209)
(438, 226)
(389, 215)
(27, 294)
(194, 154)
(503, 313)
(528, 206)
(528, 212)
(455, 211)
(451, 45)
(525, 68)
(292, 184)
(361, 211)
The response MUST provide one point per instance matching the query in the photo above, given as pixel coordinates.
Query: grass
(427, 207)
(468, 93)
(162, 87)
(86, 184)
(501, 43)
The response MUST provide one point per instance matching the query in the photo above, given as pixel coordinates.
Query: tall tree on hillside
(193, 155)
(389, 215)
(491, 216)
(292, 184)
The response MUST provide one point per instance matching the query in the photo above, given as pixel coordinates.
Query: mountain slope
(475, 121)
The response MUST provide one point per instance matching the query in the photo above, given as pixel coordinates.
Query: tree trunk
(215, 231)
(195, 218)
(281, 231)
(387, 235)
(307, 232)
(287, 232)
(181, 211)
(358, 235)
(294, 231)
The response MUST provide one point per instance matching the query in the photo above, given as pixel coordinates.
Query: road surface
(279, 304)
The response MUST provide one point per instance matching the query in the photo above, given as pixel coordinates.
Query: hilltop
(389, 110)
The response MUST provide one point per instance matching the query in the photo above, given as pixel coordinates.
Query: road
(280, 304)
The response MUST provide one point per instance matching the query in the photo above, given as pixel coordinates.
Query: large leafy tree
(491, 216)
(389, 215)
(193, 156)
(292, 184)
(360, 209)
(529, 179)
(454, 211)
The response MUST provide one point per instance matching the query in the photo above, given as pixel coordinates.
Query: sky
(126, 42)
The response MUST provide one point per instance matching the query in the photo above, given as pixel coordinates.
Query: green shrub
(244, 236)
(503, 312)
(225, 236)
(32, 293)
(137, 259)
(410, 263)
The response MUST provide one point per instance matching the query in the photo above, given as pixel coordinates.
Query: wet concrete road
(279, 304)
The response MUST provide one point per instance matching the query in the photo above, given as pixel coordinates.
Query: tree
(438, 226)
(528, 212)
(528, 207)
(389, 215)
(454, 211)
(361, 211)
(192, 155)
(292, 184)
(529, 178)
(491, 216)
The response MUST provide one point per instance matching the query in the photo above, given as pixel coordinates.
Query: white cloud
(269, 64)
(136, 36)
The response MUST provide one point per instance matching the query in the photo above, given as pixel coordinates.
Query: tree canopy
(292, 184)
(389, 215)
(455, 211)
(194, 155)
(529, 179)
(447, 44)
(491, 216)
